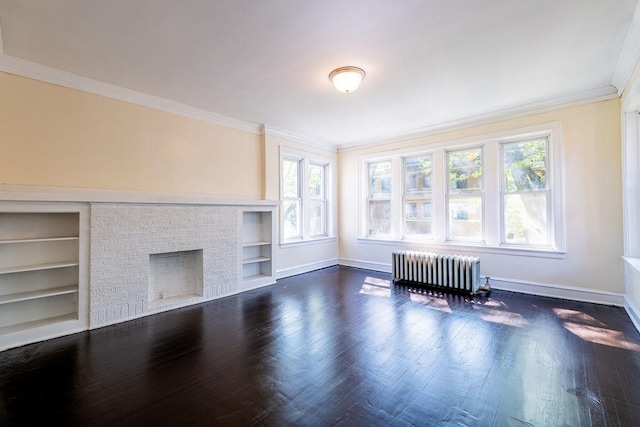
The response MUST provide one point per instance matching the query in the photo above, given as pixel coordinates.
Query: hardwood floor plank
(339, 346)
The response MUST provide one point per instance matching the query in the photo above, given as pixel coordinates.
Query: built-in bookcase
(257, 247)
(42, 293)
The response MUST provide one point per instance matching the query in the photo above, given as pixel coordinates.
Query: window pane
(525, 218)
(465, 218)
(379, 217)
(379, 180)
(417, 218)
(525, 165)
(291, 219)
(417, 174)
(316, 181)
(290, 176)
(465, 169)
(317, 209)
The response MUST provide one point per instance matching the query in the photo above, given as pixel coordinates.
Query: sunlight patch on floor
(436, 303)
(604, 336)
(593, 330)
(503, 317)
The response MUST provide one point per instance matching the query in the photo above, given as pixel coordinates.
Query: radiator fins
(451, 271)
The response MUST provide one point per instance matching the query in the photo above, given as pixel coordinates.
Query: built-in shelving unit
(257, 248)
(40, 279)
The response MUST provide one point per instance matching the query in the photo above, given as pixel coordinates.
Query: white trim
(367, 265)
(26, 193)
(633, 312)
(597, 95)
(629, 54)
(305, 268)
(467, 248)
(310, 241)
(299, 138)
(525, 287)
(573, 293)
(21, 67)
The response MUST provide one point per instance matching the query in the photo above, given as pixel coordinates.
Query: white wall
(592, 268)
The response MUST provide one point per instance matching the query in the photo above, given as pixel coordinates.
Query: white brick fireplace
(149, 258)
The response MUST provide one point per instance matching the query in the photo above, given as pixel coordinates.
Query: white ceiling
(428, 62)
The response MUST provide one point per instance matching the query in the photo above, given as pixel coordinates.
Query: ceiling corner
(629, 55)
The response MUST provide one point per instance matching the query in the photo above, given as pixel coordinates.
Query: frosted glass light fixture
(347, 79)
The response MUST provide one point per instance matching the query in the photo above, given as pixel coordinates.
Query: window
(317, 200)
(379, 202)
(291, 199)
(417, 195)
(305, 196)
(525, 193)
(464, 195)
(494, 191)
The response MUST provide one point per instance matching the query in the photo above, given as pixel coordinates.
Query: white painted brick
(124, 235)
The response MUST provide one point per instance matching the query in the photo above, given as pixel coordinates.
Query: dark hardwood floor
(339, 346)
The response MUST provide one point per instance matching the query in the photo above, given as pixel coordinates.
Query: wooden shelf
(24, 296)
(250, 244)
(37, 324)
(44, 239)
(256, 259)
(36, 267)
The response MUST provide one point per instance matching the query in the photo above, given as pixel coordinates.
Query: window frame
(492, 199)
(305, 161)
(461, 194)
(408, 198)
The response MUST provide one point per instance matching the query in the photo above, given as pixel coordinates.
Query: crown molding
(629, 55)
(32, 70)
(597, 95)
(299, 138)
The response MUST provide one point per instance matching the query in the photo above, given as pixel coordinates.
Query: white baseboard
(533, 288)
(558, 291)
(367, 265)
(287, 272)
(633, 312)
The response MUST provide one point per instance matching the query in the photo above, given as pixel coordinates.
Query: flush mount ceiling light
(347, 79)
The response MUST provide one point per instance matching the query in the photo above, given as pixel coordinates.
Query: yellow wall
(593, 201)
(54, 136)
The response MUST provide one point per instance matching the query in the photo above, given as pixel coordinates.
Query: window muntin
(464, 195)
(418, 175)
(379, 198)
(291, 199)
(525, 195)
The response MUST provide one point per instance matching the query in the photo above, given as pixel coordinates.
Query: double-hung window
(525, 195)
(464, 195)
(291, 199)
(317, 191)
(502, 190)
(417, 195)
(305, 193)
(379, 198)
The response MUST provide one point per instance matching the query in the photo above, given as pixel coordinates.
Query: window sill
(632, 262)
(466, 247)
(312, 241)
